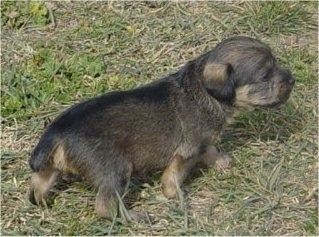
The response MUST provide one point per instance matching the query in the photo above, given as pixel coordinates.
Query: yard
(54, 54)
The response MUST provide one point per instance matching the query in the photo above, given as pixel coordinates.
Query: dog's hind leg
(41, 183)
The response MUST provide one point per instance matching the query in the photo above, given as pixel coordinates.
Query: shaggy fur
(171, 124)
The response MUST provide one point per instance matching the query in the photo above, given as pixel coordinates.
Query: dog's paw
(169, 190)
(223, 163)
(214, 159)
(137, 216)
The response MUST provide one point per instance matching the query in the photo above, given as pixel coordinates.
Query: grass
(57, 53)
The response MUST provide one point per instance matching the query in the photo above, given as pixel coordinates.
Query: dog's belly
(148, 160)
(148, 152)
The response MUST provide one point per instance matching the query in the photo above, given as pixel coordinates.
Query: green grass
(276, 17)
(56, 54)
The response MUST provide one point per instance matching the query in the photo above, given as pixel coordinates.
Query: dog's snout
(287, 76)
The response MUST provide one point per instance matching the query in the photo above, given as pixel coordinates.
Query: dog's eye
(267, 75)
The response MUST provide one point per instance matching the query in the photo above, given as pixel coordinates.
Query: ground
(54, 54)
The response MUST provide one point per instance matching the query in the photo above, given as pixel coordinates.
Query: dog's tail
(42, 153)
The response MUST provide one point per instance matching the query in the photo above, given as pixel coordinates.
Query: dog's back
(123, 132)
(101, 119)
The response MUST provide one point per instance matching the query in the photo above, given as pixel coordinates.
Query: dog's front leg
(175, 174)
(212, 158)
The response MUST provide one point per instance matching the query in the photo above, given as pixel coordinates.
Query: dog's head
(243, 71)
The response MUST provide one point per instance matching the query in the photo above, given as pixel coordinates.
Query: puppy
(171, 124)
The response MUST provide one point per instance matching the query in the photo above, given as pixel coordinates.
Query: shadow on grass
(263, 126)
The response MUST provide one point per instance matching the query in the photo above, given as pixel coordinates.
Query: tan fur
(242, 99)
(41, 183)
(178, 169)
(60, 162)
(172, 177)
(249, 101)
(215, 73)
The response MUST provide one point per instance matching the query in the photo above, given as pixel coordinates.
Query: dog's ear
(218, 81)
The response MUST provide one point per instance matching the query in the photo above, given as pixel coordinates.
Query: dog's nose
(288, 77)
